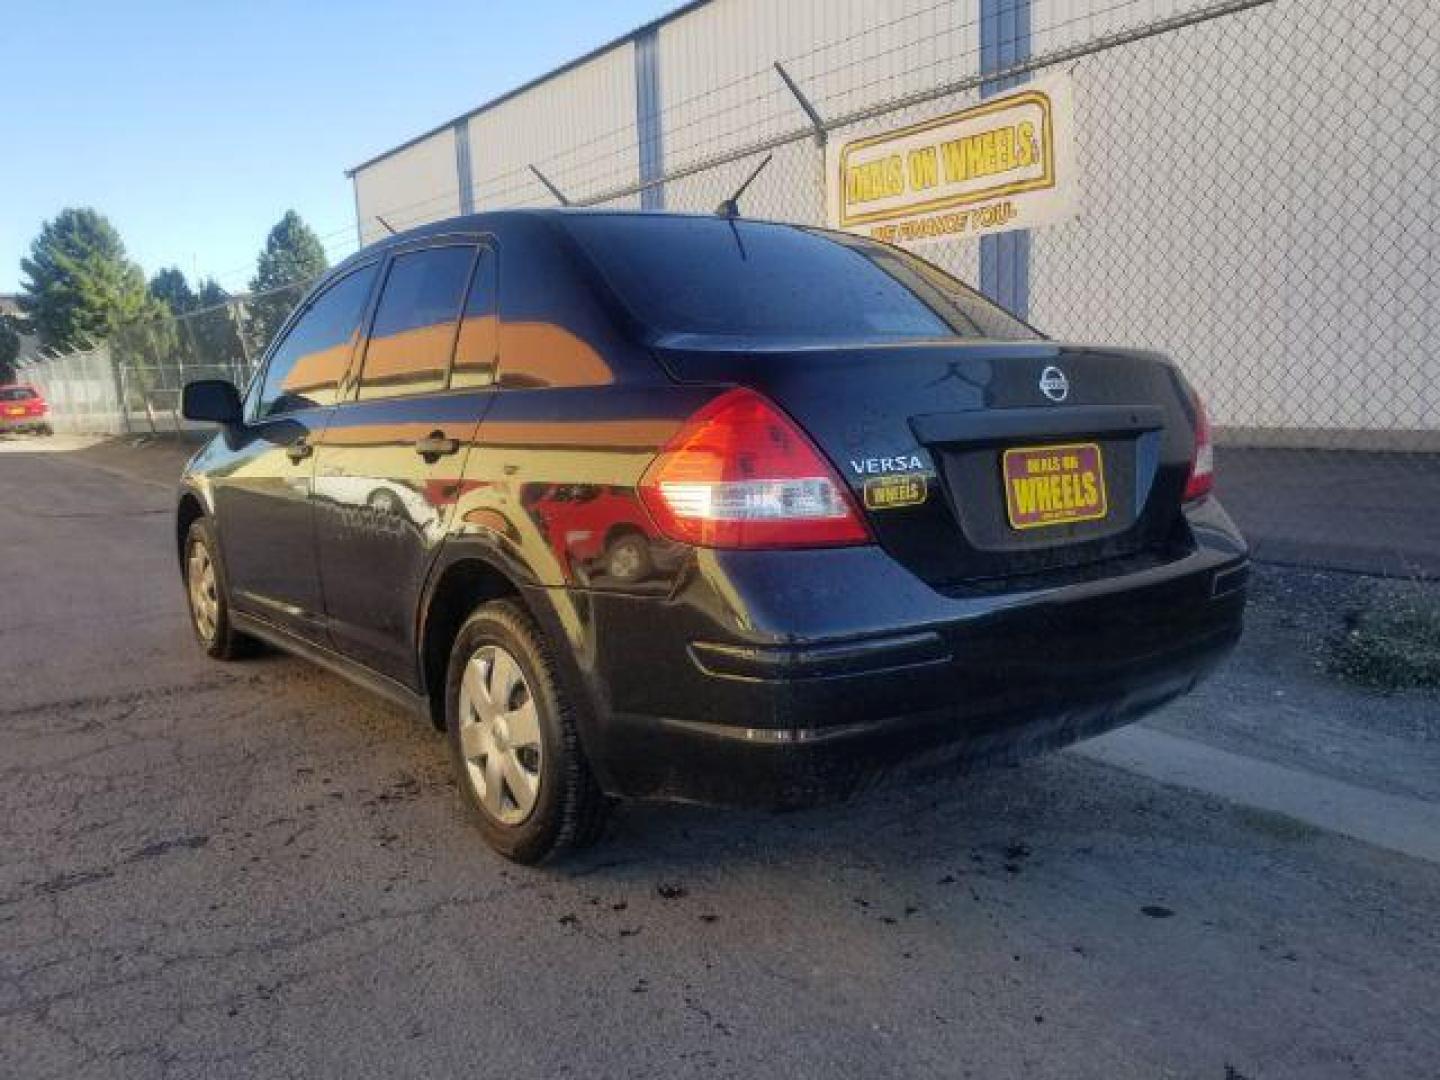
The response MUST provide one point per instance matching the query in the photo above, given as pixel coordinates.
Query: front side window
(415, 322)
(306, 367)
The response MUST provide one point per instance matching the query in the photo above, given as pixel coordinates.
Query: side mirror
(215, 400)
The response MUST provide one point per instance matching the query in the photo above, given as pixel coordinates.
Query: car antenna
(730, 208)
(388, 227)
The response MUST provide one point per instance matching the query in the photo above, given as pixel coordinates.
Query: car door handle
(436, 445)
(299, 451)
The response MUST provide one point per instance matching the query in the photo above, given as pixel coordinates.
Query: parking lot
(258, 870)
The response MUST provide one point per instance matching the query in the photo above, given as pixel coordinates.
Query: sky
(194, 126)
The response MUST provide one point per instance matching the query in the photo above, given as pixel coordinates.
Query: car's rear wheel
(206, 595)
(628, 559)
(513, 738)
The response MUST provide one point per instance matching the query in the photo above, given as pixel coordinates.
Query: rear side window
(477, 348)
(306, 367)
(17, 393)
(415, 322)
(748, 278)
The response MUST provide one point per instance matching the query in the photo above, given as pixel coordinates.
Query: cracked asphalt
(258, 870)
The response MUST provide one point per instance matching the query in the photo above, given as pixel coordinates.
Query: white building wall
(1258, 192)
(416, 185)
(1259, 199)
(719, 89)
(578, 128)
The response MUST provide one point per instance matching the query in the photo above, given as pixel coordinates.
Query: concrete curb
(1397, 823)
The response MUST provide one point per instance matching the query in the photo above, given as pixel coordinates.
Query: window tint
(307, 366)
(478, 346)
(16, 393)
(716, 276)
(414, 331)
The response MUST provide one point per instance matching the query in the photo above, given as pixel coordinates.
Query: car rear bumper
(878, 671)
(9, 424)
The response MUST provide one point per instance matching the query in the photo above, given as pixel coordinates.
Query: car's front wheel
(513, 738)
(206, 595)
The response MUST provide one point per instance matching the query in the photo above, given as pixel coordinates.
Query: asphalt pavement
(1367, 513)
(258, 870)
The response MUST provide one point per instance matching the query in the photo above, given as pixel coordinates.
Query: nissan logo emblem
(1054, 384)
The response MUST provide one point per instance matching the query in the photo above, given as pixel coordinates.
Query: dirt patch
(1279, 698)
(159, 459)
(1392, 643)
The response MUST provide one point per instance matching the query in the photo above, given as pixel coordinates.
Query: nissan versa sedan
(703, 508)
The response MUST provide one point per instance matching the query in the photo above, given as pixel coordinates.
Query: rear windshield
(16, 393)
(716, 276)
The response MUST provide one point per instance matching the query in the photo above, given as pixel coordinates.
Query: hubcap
(625, 562)
(500, 735)
(204, 596)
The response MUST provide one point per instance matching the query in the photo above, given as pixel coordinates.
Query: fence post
(233, 309)
(118, 374)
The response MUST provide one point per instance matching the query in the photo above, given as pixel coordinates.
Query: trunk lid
(932, 438)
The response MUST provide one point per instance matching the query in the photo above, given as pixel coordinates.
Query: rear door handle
(299, 451)
(436, 445)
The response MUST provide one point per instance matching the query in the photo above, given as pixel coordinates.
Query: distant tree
(292, 256)
(215, 329)
(9, 348)
(170, 288)
(79, 284)
(210, 294)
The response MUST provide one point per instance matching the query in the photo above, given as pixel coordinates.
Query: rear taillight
(1202, 464)
(740, 474)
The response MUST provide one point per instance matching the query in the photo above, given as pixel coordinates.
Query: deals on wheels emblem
(1054, 384)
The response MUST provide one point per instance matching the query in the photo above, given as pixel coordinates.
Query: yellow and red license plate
(1054, 485)
(15, 410)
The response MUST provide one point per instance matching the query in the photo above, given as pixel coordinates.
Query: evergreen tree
(79, 283)
(9, 348)
(214, 328)
(292, 257)
(210, 294)
(170, 288)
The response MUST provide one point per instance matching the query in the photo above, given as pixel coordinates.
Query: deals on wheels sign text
(1003, 164)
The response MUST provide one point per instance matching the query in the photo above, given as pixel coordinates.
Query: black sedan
(683, 507)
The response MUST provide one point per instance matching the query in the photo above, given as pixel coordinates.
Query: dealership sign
(1003, 164)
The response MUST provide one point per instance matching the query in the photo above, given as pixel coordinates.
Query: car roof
(489, 220)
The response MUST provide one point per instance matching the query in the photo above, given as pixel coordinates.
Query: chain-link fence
(132, 383)
(82, 389)
(1258, 198)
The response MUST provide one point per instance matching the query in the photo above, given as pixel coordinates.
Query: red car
(23, 409)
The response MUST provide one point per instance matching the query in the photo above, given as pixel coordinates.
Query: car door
(262, 482)
(388, 469)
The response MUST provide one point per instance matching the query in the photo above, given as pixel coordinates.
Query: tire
(512, 731)
(209, 603)
(628, 558)
(46, 430)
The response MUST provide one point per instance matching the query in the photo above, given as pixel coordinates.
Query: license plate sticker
(1054, 485)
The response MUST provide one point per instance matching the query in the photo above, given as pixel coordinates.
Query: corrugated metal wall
(720, 89)
(579, 127)
(418, 184)
(1258, 192)
(1262, 194)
